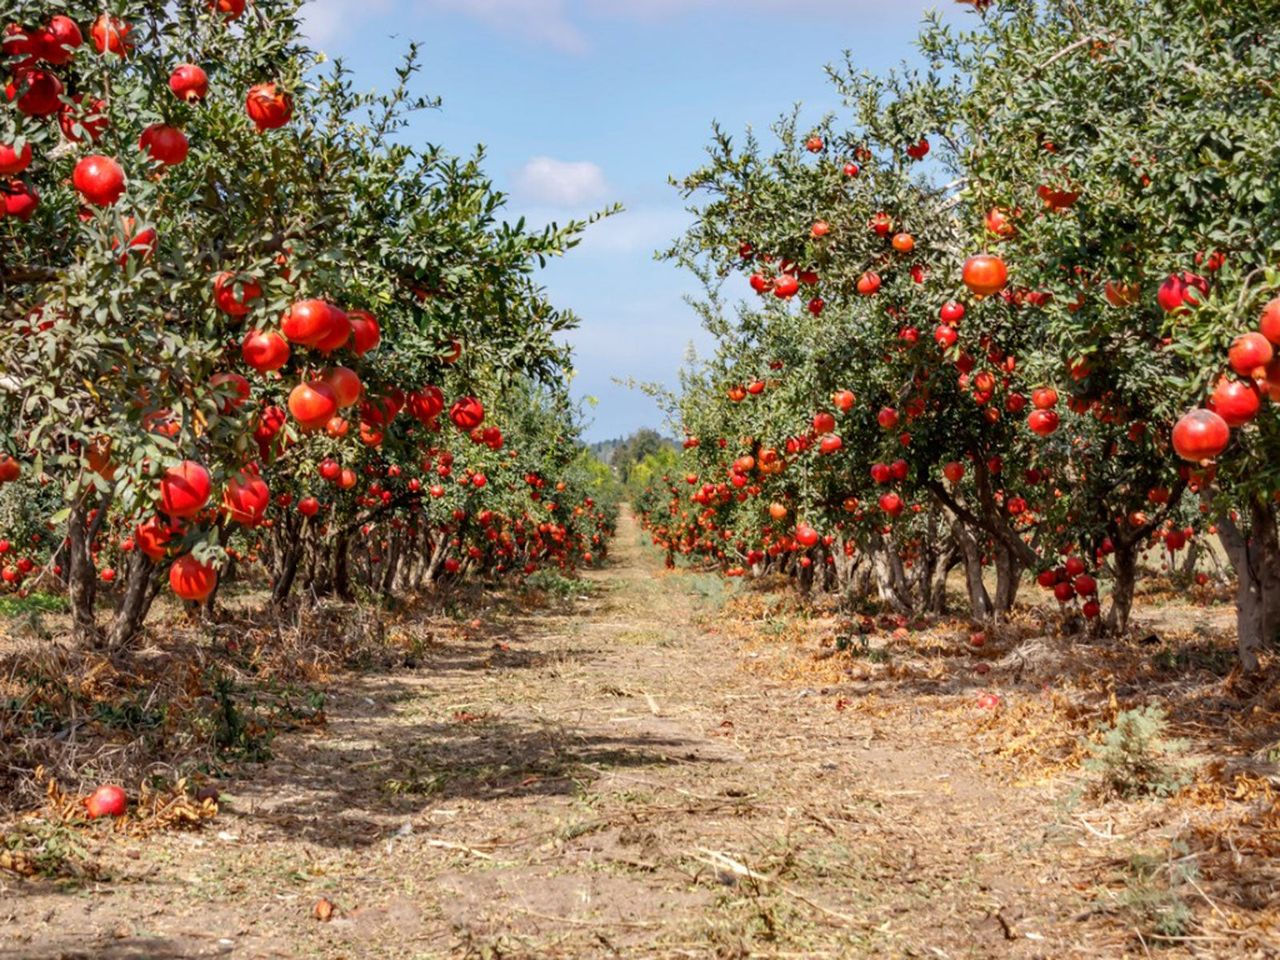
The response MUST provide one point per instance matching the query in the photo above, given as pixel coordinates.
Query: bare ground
(614, 777)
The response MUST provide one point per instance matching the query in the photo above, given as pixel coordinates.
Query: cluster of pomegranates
(1202, 435)
(37, 92)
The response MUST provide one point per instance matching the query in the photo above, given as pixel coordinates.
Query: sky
(584, 103)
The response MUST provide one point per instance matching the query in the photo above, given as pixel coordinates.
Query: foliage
(874, 415)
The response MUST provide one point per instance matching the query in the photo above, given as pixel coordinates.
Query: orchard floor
(612, 777)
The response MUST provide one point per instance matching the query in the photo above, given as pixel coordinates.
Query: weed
(1136, 758)
(1151, 894)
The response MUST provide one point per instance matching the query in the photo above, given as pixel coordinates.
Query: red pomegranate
(307, 322)
(1180, 291)
(1249, 355)
(246, 499)
(111, 35)
(985, 274)
(188, 82)
(192, 580)
(99, 179)
(346, 386)
(152, 537)
(42, 92)
(339, 331)
(268, 107)
(265, 350)
(224, 293)
(164, 144)
(365, 332)
(1200, 435)
(1236, 401)
(61, 38)
(78, 121)
(184, 489)
(313, 404)
(12, 160)
(467, 413)
(18, 200)
(1270, 322)
(1043, 422)
(108, 801)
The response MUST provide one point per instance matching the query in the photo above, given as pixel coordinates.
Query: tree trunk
(138, 596)
(1008, 579)
(82, 578)
(1255, 558)
(980, 607)
(1125, 561)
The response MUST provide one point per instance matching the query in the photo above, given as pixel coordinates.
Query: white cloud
(560, 183)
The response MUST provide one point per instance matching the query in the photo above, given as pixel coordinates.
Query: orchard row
(248, 333)
(1015, 316)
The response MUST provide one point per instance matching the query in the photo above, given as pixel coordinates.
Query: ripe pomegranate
(106, 801)
(307, 322)
(313, 404)
(887, 418)
(99, 179)
(265, 350)
(111, 35)
(1044, 398)
(985, 274)
(1180, 291)
(1200, 435)
(308, 506)
(945, 336)
(891, 504)
(42, 94)
(951, 313)
(184, 489)
(1249, 355)
(18, 200)
(60, 39)
(1043, 422)
(246, 499)
(268, 107)
(78, 121)
(869, 284)
(997, 222)
(806, 536)
(192, 580)
(188, 82)
(224, 293)
(843, 400)
(230, 9)
(365, 332)
(1236, 401)
(830, 444)
(467, 413)
(13, 160)
(785, 287)
(346, 385)
(823, 423)
(1270, 322)
(953, 471)
(164, 144)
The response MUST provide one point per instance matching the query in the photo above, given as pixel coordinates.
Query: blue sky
(581, 103)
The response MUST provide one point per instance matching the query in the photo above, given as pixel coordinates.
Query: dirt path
(599, 779)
